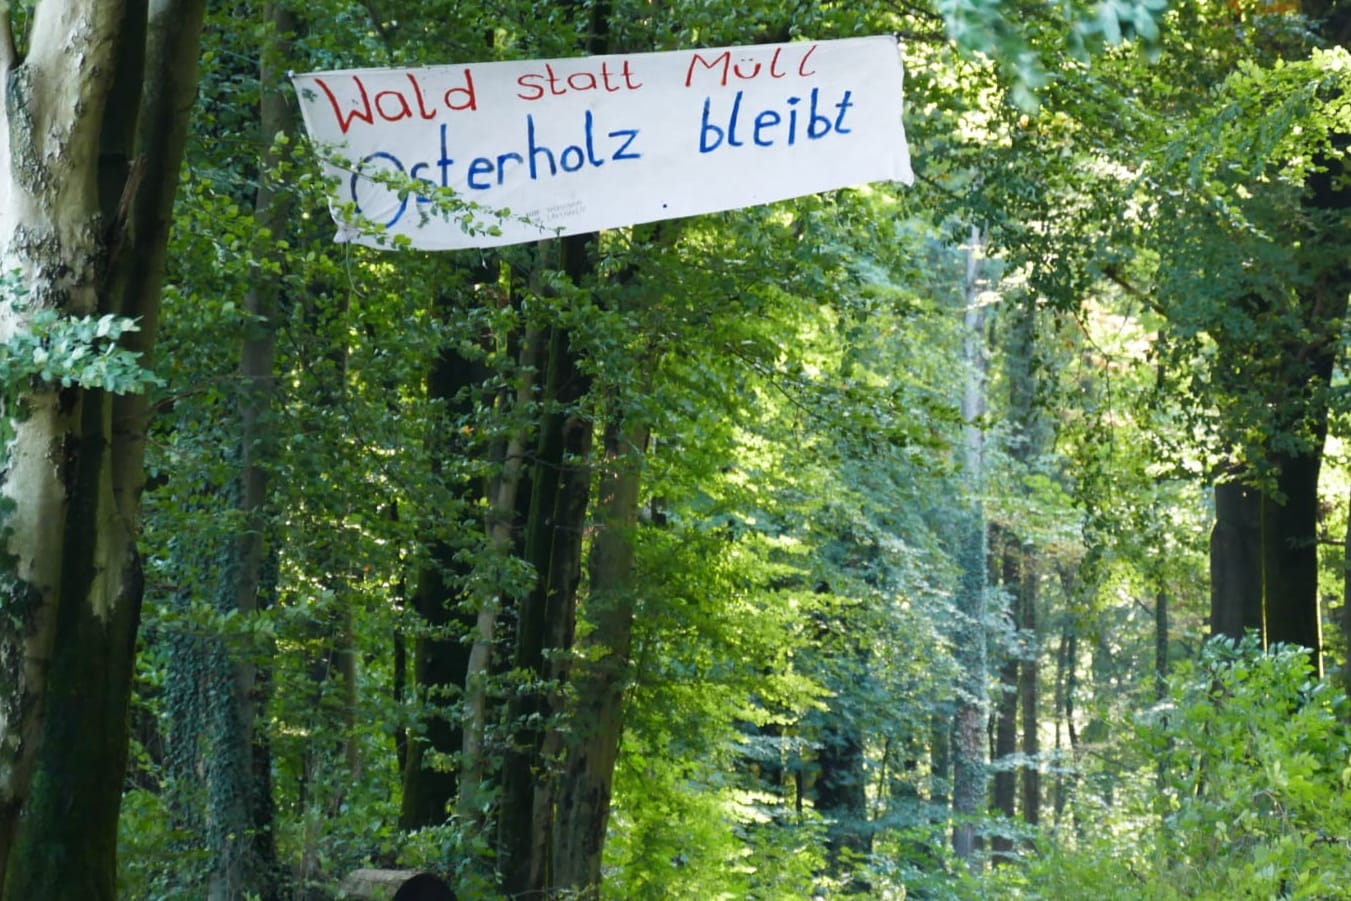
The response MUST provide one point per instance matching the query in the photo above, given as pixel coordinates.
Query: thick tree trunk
(1236, 561)
(1293, 359)
(1290, 557)
(440, 654)
(440, 664)
(84, 241)
(602, 670)
(560, 487)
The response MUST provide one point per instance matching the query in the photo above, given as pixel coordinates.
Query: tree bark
(440, 653)
(1029, 676)
(85, 241)
(501, 519)
(1236, 561)
(561, 483)
(969, 734)
(1005, 547)
(602, 667)
(243, 854)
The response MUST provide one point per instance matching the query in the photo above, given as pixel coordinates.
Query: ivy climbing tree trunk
(972, 716)
(91, 137)
(243, 853)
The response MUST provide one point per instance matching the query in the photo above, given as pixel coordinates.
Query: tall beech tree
(95, 105)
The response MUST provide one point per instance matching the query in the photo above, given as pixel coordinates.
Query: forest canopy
(984, 537)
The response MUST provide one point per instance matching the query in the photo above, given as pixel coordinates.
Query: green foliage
(798, 553)
(1258, 762)
(1255, 759)
(55, 349)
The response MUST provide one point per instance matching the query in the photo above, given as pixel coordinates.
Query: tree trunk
(501, 519)
(602, 668)
(1029, 689)
(1006, 716)
(86, 230)
(1031, 438)
(1346, 610)
(1236, 561)
(841, 797)
(440, 654)
(561, 488)
(1292, 360)
(243, 854)
(969, 734)
(1290, 556)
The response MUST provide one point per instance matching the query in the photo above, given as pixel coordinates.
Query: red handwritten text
(747, 68)
(534, 84)
(394, 105)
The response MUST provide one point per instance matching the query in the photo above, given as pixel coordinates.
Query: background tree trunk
(242, 846)
(1029, 689)
(1006, 552)
(969, 733)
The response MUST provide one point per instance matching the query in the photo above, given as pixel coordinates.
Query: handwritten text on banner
(576, 145)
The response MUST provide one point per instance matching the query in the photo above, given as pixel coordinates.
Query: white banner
(576, 145)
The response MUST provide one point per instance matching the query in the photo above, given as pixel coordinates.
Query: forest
(981, 538)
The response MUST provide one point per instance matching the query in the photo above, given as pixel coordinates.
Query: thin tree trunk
(1161, 670)
(243, 853)
(1006, 550)
(1058, 786)
(1030, 440)
(1346, 608)
(84, 241)
(969, 772)
(500, 523)
(1029, 690)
